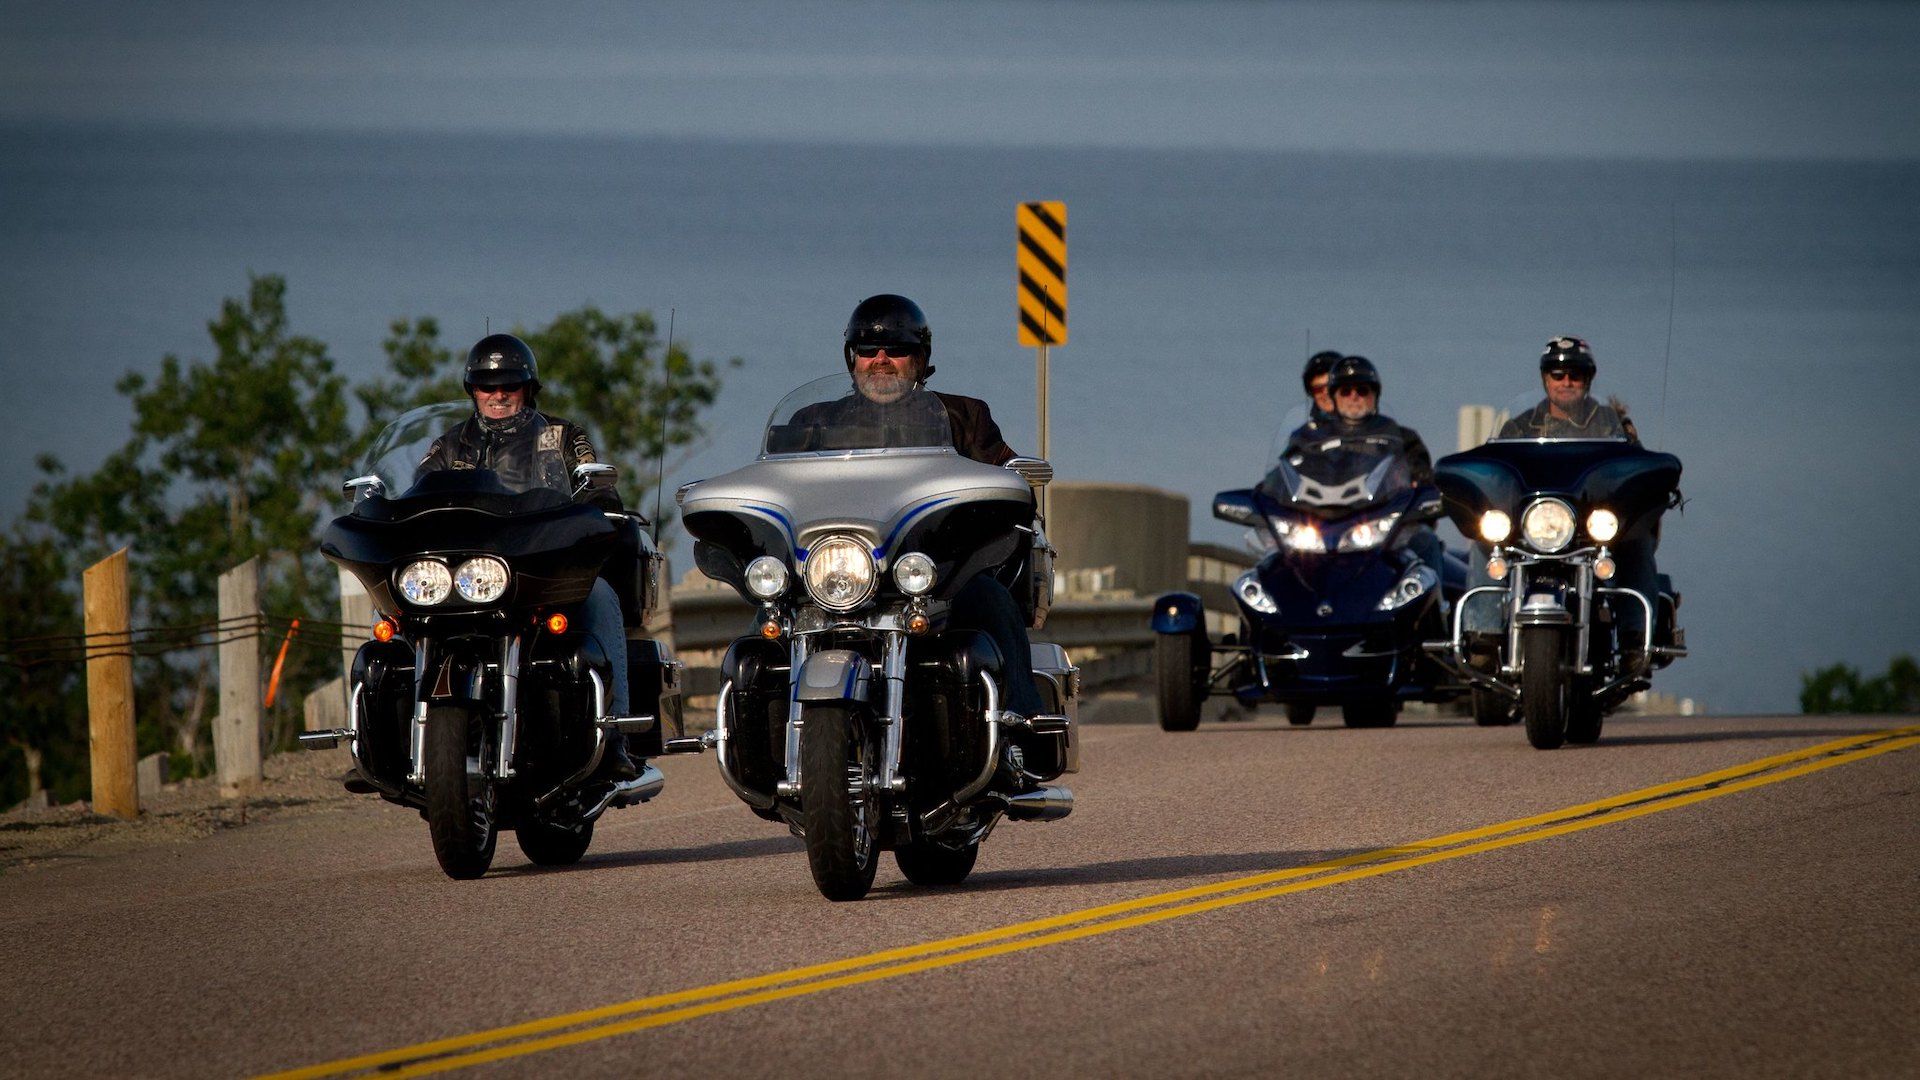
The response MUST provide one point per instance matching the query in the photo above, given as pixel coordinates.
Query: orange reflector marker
(916, 623)
(556, 623)
(383, 631)
(770, 630)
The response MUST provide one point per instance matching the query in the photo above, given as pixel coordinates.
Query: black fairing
(553, 547)
(1635, 483)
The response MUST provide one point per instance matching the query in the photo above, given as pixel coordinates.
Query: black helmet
(1351, 371)
(1567, 352)
(889, 320)
(1318, 364)
(500, 360)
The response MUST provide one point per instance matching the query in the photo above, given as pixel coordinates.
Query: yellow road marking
(431, 1057)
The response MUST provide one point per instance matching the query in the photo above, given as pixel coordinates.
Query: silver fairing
(875, 494)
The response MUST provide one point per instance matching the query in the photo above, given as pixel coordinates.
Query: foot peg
(1040, 723)
(323, 740)
(693, 744)
(629, 725)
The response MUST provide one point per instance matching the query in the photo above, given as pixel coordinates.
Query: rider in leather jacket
(888, 349)
(528, 449)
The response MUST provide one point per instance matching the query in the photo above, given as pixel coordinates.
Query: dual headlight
(1547, 525)
(840, 574)
(426, 582)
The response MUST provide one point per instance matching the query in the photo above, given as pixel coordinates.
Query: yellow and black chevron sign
(1041, 260)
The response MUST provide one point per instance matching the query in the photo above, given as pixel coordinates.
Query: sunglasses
(1351, 390)
(1563, 375)
(502, 388)
(1319, 385)
(898, 352)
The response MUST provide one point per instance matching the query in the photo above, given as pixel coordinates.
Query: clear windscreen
(1565, 416)
(842, 414)
(399, 456)
(1323, 463)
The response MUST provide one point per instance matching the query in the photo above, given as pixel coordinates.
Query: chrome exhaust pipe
(1041, 804)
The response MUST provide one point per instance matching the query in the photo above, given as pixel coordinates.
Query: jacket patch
(549, 438)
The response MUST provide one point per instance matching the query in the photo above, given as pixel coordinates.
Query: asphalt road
(1757, 922)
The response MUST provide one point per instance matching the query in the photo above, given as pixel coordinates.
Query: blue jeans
(985, 605)
(604, 623)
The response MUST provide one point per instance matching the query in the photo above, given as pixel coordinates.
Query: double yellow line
(570, 1029)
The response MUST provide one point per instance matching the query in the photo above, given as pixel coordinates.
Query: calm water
(1196, 280)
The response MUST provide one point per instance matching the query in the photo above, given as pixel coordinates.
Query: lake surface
(1197, 281)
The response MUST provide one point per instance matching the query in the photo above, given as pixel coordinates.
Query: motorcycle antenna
(1673, 287)
(666, 402)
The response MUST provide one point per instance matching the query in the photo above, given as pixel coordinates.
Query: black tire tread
(827, 810)
(463, 837)
(1173, 654)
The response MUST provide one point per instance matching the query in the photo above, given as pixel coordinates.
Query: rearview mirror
(584, 473)
(1237, 507)
(363, 486)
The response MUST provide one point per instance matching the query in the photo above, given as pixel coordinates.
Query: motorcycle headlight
(481, 580)
(1247, 587)
(767, 577)
(913, 572)
(1547, 525)
(1369, 534)
(1411, 587)
(1298, 535)
(1495, 526)
(1602, 525)
(839, 573)
(426, 582)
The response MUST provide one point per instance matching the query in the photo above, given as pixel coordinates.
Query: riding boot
(1483, 652)
(616, 765)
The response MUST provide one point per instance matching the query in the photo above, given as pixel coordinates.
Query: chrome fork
(894, 666)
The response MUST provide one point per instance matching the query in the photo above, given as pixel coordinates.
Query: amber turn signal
(556, 623)
(916, 623)
(383, 631)
(770, 630)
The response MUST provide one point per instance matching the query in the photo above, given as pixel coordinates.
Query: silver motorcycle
(853, 711)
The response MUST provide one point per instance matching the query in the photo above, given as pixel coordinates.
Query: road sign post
(1040, 292)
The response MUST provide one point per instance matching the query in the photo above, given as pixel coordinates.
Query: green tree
(1840, 688)
(229, 458)
(613, 374)
(43, 703)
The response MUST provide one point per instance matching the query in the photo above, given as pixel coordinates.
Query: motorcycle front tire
(843, 848)
(1545, 685)
(459, 807)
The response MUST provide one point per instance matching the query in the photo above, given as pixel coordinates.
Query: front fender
(1178, 613)
(834, 675)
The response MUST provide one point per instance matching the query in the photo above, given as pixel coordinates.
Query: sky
(1644, 79)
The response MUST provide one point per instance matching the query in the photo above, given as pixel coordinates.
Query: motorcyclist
(1313, 379)
(888, 348)
(1569, 411)
(530, 449)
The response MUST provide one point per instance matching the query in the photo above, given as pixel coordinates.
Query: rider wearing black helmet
(888, 347)
(1313, 379)
(888, 335)
(529, 449)
(1569, 411)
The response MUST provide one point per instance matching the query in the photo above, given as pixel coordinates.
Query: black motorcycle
(482, 701)
(1337, 611)
(1554, 512)
(853, 713)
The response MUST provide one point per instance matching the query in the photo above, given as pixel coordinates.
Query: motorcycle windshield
(399, 457)
(841, 415)
(1322, 465)
(1531, 417)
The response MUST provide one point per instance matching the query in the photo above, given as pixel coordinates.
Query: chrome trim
(1646, 630)
(894, 669)
(1293, 652)
(417, 737)
(1041, 804)
(509, 708)
(796, 660)
(723, 738)
(1572, 535)
(937, 817)
(369, 484)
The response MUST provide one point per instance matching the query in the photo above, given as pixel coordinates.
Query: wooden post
(236, 731)
(110, 687)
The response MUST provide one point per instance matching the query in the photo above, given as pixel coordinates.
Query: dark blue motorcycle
(1338, 609)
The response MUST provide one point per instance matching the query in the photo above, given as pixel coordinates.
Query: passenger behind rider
(1353, 383)
(1569, 411)
(888, 349)
(1314, 381)
(530, 449)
